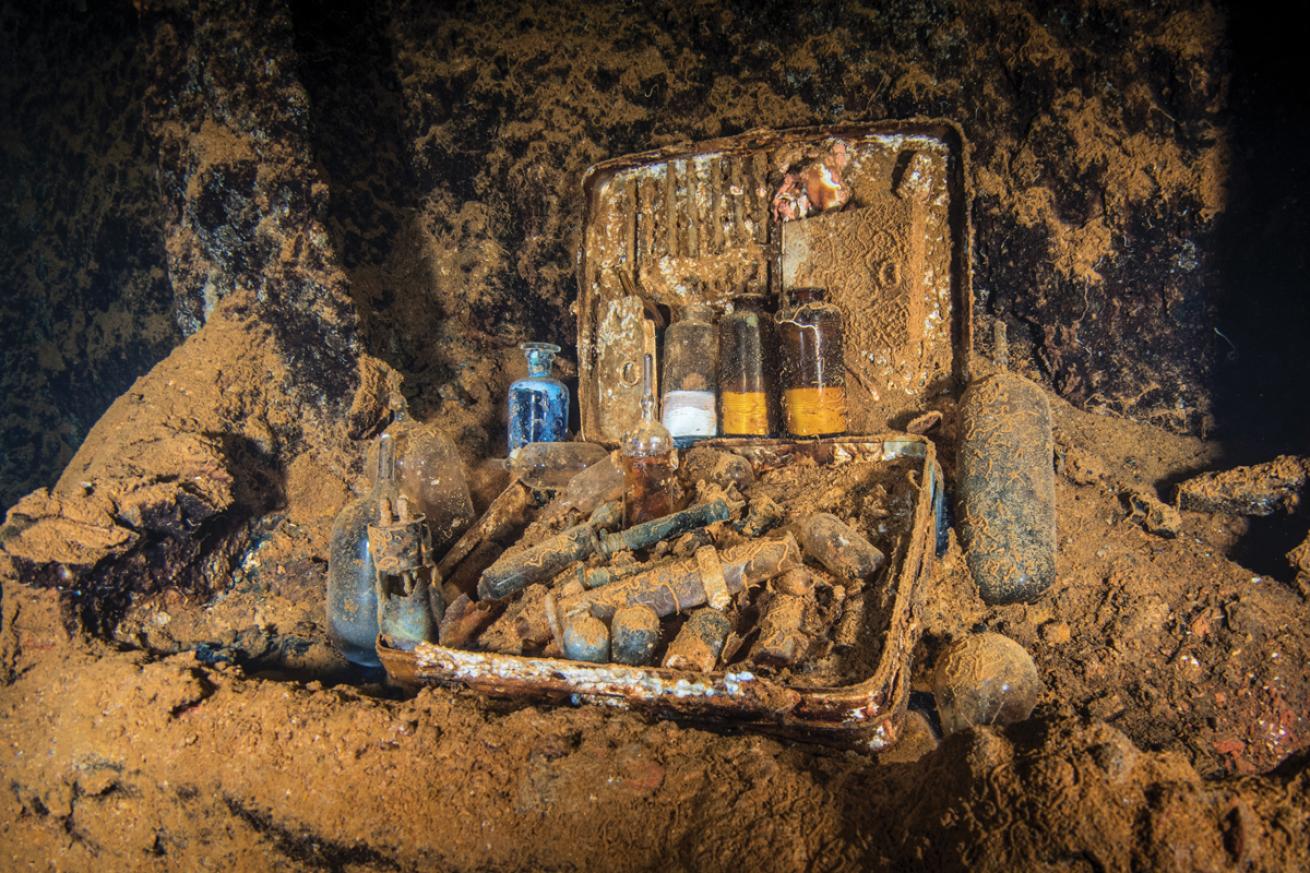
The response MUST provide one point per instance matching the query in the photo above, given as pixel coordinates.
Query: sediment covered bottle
(649, 461)
(746, 368)
(691, 350)
(1006, 496)
(352, 603)
(539, 403)
(813, 374)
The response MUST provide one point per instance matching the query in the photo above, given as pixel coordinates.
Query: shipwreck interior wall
(230, 228)
(1112, 150)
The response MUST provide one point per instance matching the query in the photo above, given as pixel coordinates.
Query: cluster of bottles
(416, 467)
(718, 379)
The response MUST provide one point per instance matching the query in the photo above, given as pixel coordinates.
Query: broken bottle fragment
(539, 403)
(691, 350)
(649, 462)
(746, 368)
(700, 642)
(352, 603)
(840, 548)
(551, 466)
(813, 370)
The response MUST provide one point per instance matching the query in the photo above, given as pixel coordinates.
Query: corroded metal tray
(866, 714)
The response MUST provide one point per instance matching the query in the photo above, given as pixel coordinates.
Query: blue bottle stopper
(538, 404)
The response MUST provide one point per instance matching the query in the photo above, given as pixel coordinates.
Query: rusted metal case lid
(693, 224)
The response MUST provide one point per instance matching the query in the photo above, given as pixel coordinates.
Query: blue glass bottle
(539, 404)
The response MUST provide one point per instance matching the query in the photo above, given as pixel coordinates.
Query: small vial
(691, 350)
(813, 372)
(746, 367)
(538, 404)
(649, 461)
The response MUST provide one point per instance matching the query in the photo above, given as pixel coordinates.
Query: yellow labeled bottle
(813, 372)
(746, 367)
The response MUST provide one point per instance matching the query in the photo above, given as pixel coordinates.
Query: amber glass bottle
(813, 373)
(690, 373)
(649, 461)
(746, 367)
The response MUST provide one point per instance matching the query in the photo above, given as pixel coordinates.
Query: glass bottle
(649, 461)
(813, 372)
(691, 350)
(431, 474)
(352, 601)
(746, 367)
(538, 404)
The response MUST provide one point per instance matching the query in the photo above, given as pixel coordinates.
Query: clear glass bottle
(649, 461)
(691, 351)
(746, 368)
(813, 372)
(352, 601)
(430, 472)
(538, 404)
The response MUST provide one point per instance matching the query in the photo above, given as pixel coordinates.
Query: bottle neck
(399, 407)
(540, 356)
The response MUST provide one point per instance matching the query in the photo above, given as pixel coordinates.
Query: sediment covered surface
(287, 209)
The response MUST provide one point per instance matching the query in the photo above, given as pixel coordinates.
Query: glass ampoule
(649, 460)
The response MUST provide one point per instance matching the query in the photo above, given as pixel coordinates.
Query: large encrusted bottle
(813, 371)
(690, 375)
(538, 404)
(649, 461)
(746, 367)
(430, 472)
(352, 602)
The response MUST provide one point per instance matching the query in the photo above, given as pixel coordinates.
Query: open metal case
(694, 223)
